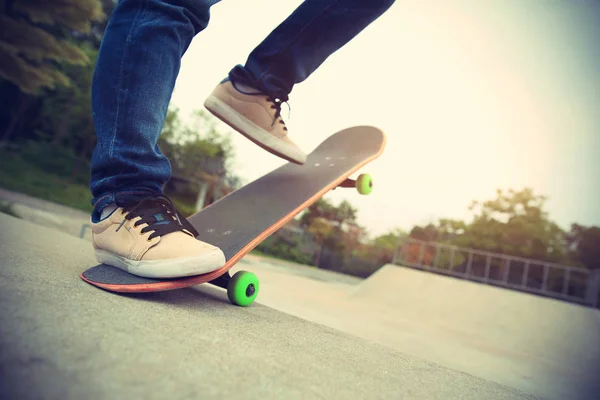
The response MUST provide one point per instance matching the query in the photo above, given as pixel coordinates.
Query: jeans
(138, 64)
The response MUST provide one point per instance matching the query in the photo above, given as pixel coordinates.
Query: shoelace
(277, 107)
(159, 213)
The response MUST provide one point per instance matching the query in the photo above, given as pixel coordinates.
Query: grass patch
(21, 176)
(31, 171)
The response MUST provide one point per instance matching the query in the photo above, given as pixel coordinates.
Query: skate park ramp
(541, 345)
(61, 338)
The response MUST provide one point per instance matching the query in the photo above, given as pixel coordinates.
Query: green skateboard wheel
(364, 184)
(242, 288)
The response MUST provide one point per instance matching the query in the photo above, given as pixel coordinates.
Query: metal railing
(574, 284)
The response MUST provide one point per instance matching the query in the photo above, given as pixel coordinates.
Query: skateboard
(240, 221)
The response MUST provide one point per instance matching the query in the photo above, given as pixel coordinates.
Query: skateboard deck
(240, 221)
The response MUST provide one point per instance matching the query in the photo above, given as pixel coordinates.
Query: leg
(301, 43)
(137, 66)
(135, 74)
(250, 99)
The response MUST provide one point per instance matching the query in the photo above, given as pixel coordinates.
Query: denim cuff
(110, 198)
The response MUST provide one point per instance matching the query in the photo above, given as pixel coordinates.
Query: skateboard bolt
(250, 290)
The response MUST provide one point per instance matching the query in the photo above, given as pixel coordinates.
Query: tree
(197, 149)
(40, 44)
(324, 234)
(333, 227)
(428, 233)
(450, 229)
(515, 223)
(35, 37)
(383, 247)
(584, 245)
(98, 26)
(344, 213)
(199, 154)
(65, 116)
(319, 209)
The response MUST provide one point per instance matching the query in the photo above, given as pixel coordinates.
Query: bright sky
(473, 96)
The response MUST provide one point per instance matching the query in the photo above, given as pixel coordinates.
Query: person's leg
(135, 74)
(138, 63)
(301, 43)
(293, 51)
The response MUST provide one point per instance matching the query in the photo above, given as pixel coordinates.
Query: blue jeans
(139, 61)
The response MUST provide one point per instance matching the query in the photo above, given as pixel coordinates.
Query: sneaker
(256, 116)
(150, 238)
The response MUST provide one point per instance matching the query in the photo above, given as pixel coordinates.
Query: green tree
(584, 245)
(65, 117)
(98, 26)
(343, 213)
(324, 234)
(40, 43)
(427, 233)
(450, 229)
(35, 36)
(327, 223)
(389, 240)
(515, 223)
(382, 247)
(319, 209)
(197, 149)
(332, 227)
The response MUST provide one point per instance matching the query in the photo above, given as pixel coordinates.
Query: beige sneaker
(151, 239)
(255, 116)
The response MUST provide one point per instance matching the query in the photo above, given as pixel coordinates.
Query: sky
(473, 96)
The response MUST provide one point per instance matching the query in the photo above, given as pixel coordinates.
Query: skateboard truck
(363, 184)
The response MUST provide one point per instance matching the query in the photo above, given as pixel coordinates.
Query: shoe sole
(170, 268)
(249, 129)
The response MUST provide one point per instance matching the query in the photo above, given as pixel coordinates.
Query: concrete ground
(541, 346)
(311, 334)
(46, 213)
